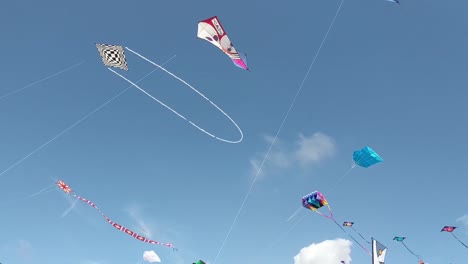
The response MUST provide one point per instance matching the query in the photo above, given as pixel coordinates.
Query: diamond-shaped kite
(112, 56)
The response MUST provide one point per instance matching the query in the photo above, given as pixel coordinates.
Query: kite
(378, 252)
(400, 239)
(211, 30)
(366, 157)
(199, 262)
(450, 230)
(66, 189)
(394, 1)
(314, 201)
(114, 56)
(350, 224)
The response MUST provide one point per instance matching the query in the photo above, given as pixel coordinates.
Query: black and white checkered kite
(112, 56)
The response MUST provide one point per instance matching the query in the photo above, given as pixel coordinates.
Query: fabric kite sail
(199, 262)
(212, 31)
(113, 56)
(65, 188)
(366, 157)
(350, 224)
(314, 201)
(400, 239)
(378, 252)
(450, 230)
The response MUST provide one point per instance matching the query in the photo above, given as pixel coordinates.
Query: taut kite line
(113, 56)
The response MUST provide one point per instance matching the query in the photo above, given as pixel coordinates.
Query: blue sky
(389, 76)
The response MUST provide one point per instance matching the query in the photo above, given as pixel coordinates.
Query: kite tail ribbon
(122, 228)
(365, 249)
(459, 240)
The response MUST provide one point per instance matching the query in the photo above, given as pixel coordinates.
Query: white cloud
(151, 256)
(315, 148)
(307, 150)
(326, 252)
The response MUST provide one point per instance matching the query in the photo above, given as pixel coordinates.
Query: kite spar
(450, 230)
(66, 189)
(114, 56)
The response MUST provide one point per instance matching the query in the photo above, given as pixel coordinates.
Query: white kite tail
(175, 112)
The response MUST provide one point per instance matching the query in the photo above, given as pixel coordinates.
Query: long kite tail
(122, 228)
(459, 240)
(360, 235)
(410, 251)
(365, 249)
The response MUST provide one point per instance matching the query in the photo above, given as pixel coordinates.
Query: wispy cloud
(134, 211)
(21, 248)
(315, 148)
(326, 252)
(464, 221)
(305, 151)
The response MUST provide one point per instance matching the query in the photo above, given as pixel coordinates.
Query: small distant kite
(314, 201)
(450, 230)
(378, 252)
(199, 262)
(394, 1)
(350, 224)
(66, 188)
(366, 157)
(400, 239)
(114, 56)
(212, 31)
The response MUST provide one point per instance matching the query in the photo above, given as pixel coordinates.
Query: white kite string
(174, 111)
(277, 133)
(76, 123)
(41, 80)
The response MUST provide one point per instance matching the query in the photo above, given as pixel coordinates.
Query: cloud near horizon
(306, 151)
(464, 220)
(325, 252)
